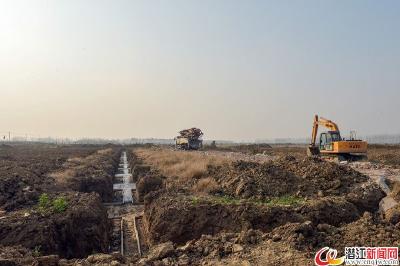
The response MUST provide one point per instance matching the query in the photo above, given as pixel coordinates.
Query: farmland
(236, 205)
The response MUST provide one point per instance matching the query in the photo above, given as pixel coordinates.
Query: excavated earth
(24, 169)
(94, 173)
(83, 228)
(249, 198)
(81, 175)
(274, 212)
(307, 177)
(296, 205)
(289, 244)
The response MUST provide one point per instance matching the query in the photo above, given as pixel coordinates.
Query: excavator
(332, 145)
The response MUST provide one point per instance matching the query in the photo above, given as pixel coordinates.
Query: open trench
(125, 213)
(380, 174)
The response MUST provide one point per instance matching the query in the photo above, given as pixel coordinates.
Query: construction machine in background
(332, 145)
(189, 139)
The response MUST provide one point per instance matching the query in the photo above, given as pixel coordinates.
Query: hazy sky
(239, 70)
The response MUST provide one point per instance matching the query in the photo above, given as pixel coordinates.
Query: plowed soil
(24, 169)
(82, 229)
(30, 170)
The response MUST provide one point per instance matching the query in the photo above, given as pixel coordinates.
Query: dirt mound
(367, 231)
(176, 217)
(147, 184)
(249, 247)
(395, 190)
(11, 255)
(19, 186)
(205, 248)
(251, 179)
(307, 177)
(94, 173)
(179, 218)
(81, 229)
(24, 170)
(330, 210)
(18, 255)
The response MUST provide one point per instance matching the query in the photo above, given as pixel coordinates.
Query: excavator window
(335, 136)
(322, 141)
(328, 145)
(327, 139)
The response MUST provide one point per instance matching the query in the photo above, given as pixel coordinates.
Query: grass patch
(228, 200)
(46, 206)
(195, 200)
(60, 204)
(224, 200)
(285, 201)
(44, 203)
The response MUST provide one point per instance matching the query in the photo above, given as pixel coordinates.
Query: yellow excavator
(332, 145)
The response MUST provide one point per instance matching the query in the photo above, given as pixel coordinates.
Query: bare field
(230, 206)
(385, 154)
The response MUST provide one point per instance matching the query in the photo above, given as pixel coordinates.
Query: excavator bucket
(312, 150)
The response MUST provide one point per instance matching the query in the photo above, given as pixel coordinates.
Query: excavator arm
(319, 121)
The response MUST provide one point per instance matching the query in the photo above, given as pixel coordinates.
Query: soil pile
(176, 217)
(368, 230)
(93, 173)
(18, 255)
(307, 177)
(24, 169)
(80, 229)
(206, 248)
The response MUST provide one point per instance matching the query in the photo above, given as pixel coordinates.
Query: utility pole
(9, 136)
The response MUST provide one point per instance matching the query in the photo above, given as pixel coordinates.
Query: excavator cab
(326, 140)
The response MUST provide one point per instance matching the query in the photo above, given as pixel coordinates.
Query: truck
(189, 139)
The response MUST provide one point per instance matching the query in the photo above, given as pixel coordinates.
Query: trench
(125, 213)
(380, 175)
